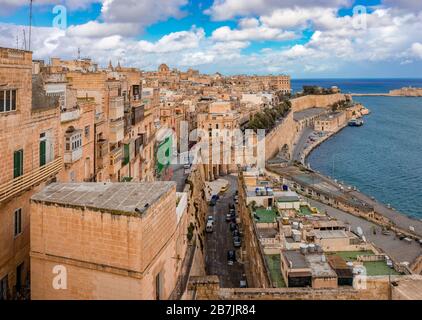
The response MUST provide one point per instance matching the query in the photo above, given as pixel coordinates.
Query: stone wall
(286, 133)
(205, 288)
(252, 253)
(318, 101)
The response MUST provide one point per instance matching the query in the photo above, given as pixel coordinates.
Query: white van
(209, 227)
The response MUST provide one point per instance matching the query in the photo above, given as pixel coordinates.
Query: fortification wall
(285, 134)
(318, 101)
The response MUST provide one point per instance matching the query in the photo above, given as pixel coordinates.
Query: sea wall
(285, 134)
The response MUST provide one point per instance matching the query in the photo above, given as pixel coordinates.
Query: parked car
(228, 217)
(232, 206)
(210, 219)
(214, 200)
(210, 227)
(233, 226)
(237, 242)
(236, 233)
(243, 282)
(231, 257)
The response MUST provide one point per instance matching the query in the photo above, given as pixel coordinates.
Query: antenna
(30, 23)
(24, 39)
(79, 53)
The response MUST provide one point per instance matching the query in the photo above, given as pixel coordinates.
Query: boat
(355, 123)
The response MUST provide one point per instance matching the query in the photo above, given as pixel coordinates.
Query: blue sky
(307, 39)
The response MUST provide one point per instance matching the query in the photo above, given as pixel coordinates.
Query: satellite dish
(412, 229)
(363, 238)
(360, 231)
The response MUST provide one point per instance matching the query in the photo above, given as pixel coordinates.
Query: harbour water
(383, 158)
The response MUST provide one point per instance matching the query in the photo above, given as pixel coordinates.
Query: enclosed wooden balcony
(116, 131)
(31, 179)
(117, 108)
(101, 153)
(116, 157)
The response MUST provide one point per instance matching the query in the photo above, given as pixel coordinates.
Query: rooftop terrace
(266, 216)
(273, 262)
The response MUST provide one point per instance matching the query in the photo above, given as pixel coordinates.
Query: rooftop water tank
(303, 249)
(311, 248)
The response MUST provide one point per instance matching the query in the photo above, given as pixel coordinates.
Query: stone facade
(29, 158)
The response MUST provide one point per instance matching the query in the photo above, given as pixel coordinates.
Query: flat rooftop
(308, 113)
(330, 116)
(287, 196)
(320, 267)
(330, 234)
(296, 258)
(126, 198)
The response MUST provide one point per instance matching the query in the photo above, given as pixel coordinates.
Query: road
(220, 241)
(397, 249)
(300, 143)
(179, 176)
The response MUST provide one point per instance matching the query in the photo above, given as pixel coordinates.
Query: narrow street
(220, 241)
(301, 144)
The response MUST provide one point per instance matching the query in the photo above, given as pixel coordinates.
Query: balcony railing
(101, 153)
(70, 115)
(30, 179)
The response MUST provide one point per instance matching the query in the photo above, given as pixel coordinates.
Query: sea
(383, 158)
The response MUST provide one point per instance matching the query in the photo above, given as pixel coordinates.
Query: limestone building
(30, 157)
(113, 240)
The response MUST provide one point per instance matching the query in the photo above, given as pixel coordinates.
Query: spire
(110, 66)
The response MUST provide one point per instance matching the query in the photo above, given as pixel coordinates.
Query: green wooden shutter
(43, 155)
(17, 163)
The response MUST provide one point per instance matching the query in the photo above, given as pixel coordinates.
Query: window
(87, 131)
(19, 277)
(7, 100)
(18, 222)
(74, 141)
(4, 285)
(158, 287)
(18, 163)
